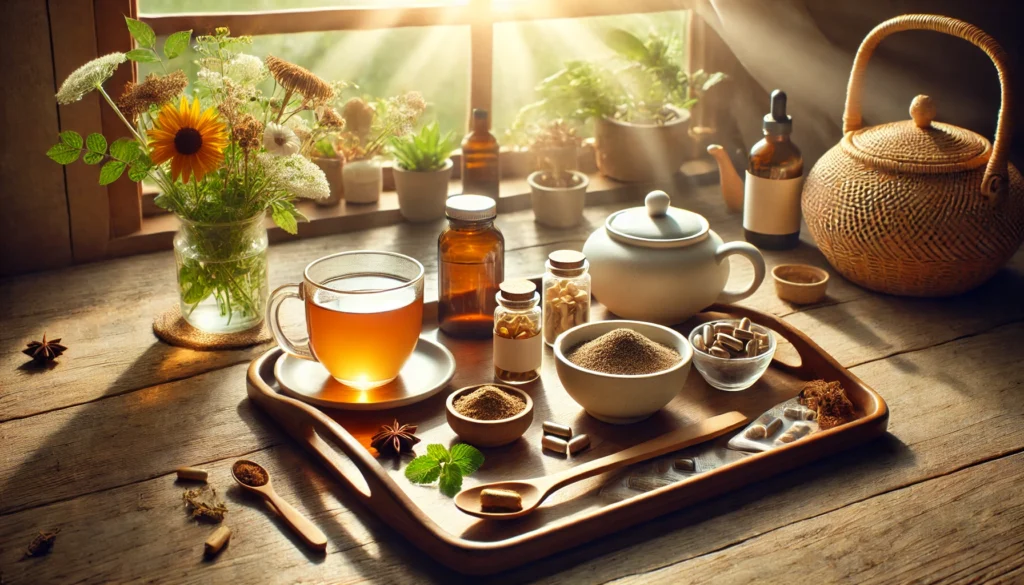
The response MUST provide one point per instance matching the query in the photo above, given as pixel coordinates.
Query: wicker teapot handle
(995, 179)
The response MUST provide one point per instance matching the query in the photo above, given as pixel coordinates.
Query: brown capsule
(760, 336)
(719, 352)
(554, 444)
(752, 348)
(773, 427)
(685, 465)
(707, 333)
(217, 540)
(756, 432)
(556, 429)
(724, 328)
(743, 334)
(501, 499)
(730, 342)
(192, 474)
(794, 412)
(578, 443)
(744, 324)
(698, 342)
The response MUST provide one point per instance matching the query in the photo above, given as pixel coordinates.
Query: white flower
(280, 140)
(210, 79)
(88, 77)
(295, 174)
(246, 69)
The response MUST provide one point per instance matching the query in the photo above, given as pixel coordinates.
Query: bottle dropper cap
(777, 122)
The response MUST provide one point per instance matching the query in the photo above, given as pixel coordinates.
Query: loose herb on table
(204, 503)
(448, 466)
(42, 544)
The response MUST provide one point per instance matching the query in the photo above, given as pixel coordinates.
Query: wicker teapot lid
(920, 145)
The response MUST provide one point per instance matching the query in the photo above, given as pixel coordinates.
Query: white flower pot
(641, 153)
(363, 181)
(422, 194)
(332, 168)
(558, 207)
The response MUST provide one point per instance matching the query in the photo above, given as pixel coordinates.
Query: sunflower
(194, 142)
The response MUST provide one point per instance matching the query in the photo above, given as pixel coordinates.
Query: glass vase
(222, 273)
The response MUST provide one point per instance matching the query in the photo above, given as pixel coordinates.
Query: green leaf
(63, 154)
(111, 171)
(143, 56)
(71, 138)
(141, 32)
(439, 453)
(193, 283)
(125, 149)
(93, 158)
(138, 172)
(96, 143)
(451, 480)
(285, 218)
(627, 45)
(467, 457)
(177, 43)
(423, 469)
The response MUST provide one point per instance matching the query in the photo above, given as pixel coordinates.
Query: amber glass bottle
(471, 259)
(771, 194)
(481, 170)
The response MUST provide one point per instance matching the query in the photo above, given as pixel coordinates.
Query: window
(460, 54)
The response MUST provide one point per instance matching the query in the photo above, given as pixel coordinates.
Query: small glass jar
(566, 287)
(471, 265)
(517, 337)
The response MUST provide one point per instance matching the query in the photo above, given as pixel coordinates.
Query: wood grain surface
(90, 446)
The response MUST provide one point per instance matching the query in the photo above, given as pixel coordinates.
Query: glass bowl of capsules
(732, 354)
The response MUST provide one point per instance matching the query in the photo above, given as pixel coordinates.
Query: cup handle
(279, 296)
(750, 253)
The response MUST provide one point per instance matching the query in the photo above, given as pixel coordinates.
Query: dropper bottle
(771, 193)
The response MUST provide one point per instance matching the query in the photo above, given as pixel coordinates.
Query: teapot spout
(732, 185)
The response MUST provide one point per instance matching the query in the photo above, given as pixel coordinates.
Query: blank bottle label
(772, 206)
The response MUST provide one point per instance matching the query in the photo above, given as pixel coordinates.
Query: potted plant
(640, 107)
(423, 168)
(557, 190)
(369, 125)
(219, 167)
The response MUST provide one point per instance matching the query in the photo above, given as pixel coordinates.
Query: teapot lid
(919, 145)
(657, 224)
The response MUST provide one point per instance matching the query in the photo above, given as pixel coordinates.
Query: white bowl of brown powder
(622, 372)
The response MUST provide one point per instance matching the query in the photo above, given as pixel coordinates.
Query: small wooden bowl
(799, 283)
(489, 433)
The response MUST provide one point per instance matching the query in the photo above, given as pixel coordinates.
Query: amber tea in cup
(364, 312)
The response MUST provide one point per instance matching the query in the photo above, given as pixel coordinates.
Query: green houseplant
(423, 168)
(557, 189)
(640, 104)
(222, 159)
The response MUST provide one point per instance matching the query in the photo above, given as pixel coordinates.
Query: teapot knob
(922, 110)
(657, 203)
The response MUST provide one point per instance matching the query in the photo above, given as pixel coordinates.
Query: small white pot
(363, 181)
(558, 207)
(422, 194)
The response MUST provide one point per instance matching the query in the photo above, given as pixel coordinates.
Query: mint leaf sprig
(448, 466)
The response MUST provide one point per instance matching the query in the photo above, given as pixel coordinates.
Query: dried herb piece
(44, 351)
(829, 400)
(42, 544)
(394, 439)
(204, 503)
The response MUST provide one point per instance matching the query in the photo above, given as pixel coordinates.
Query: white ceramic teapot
(663, 264)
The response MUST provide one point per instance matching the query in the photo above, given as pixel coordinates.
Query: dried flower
(44, 351)
(280, 140)
(295, 174)
(248, 133)
(358, 116)
(300, 127)
(299, 79)
(203, 502)
(328, 117)
(88, 77)
(394, 439)
(154, 91)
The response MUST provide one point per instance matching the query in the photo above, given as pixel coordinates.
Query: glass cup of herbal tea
(364, 312)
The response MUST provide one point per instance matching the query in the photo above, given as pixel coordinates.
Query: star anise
(394, 439)
(45, 350)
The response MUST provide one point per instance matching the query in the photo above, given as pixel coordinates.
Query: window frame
(119, 219)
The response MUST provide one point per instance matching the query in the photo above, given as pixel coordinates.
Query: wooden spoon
(312, 535)
(533, 491)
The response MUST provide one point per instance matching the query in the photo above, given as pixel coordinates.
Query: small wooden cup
(799, 283)
(489, 433)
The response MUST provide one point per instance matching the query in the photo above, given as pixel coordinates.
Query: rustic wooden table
(91, 445)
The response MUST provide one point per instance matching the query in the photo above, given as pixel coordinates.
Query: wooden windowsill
(157, 231)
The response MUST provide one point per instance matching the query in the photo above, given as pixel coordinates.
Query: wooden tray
(583, 511)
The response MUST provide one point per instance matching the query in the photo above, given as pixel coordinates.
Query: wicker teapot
(918, 207)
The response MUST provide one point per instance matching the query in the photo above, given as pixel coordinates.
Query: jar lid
(920, 145)
(657, 224)
(470, 207)
(567, 259)
(517, 290)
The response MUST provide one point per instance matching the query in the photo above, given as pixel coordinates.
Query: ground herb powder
(250, 474)
(489, 403)
(624, 352)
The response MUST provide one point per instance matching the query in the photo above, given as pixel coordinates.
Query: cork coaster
(172, 328)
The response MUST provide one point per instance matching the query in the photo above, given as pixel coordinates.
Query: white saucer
(428, 370)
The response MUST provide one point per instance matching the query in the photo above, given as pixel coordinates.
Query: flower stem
(120, 115)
